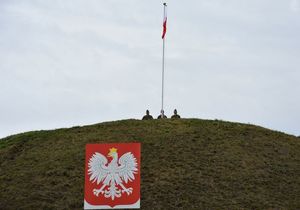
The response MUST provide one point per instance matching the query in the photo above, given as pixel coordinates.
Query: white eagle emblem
(112, 174)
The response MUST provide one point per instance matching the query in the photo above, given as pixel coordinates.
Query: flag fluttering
(164, 22)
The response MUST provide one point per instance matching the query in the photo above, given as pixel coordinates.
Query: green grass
(186, 164)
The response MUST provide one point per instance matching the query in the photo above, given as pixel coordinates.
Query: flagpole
(163, 70)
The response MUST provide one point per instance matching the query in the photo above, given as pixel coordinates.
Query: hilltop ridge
(186, 164)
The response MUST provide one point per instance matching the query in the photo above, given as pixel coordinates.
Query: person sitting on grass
(162, 115)
(147, 116)
(175, 116)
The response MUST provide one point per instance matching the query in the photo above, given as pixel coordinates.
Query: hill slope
(188, 163)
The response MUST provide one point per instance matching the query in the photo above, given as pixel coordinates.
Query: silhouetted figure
(175, 116)
(147, 116)
(162, 114)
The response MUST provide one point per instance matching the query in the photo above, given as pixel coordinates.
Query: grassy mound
(188, 163)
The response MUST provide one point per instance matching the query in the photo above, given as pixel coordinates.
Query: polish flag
(164, 24)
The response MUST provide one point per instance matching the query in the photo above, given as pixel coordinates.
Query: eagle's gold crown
(112, 150)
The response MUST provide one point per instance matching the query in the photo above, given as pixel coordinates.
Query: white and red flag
(164, 22)
(112, 176)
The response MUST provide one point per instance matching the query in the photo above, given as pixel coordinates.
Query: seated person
(175, 116)
(162, 114)
(147, 116)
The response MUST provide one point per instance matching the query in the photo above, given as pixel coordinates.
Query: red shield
(112, 176)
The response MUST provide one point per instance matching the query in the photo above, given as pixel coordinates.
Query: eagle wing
(97, 168)
(127, 168)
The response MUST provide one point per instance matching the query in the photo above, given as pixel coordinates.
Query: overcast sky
(78, 62)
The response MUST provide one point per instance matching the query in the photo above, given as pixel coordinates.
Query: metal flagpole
(163, 70)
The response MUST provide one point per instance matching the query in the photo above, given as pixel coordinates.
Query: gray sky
(77, 62)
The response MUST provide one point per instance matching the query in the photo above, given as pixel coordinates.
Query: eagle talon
(96, 192)
(127, 190)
